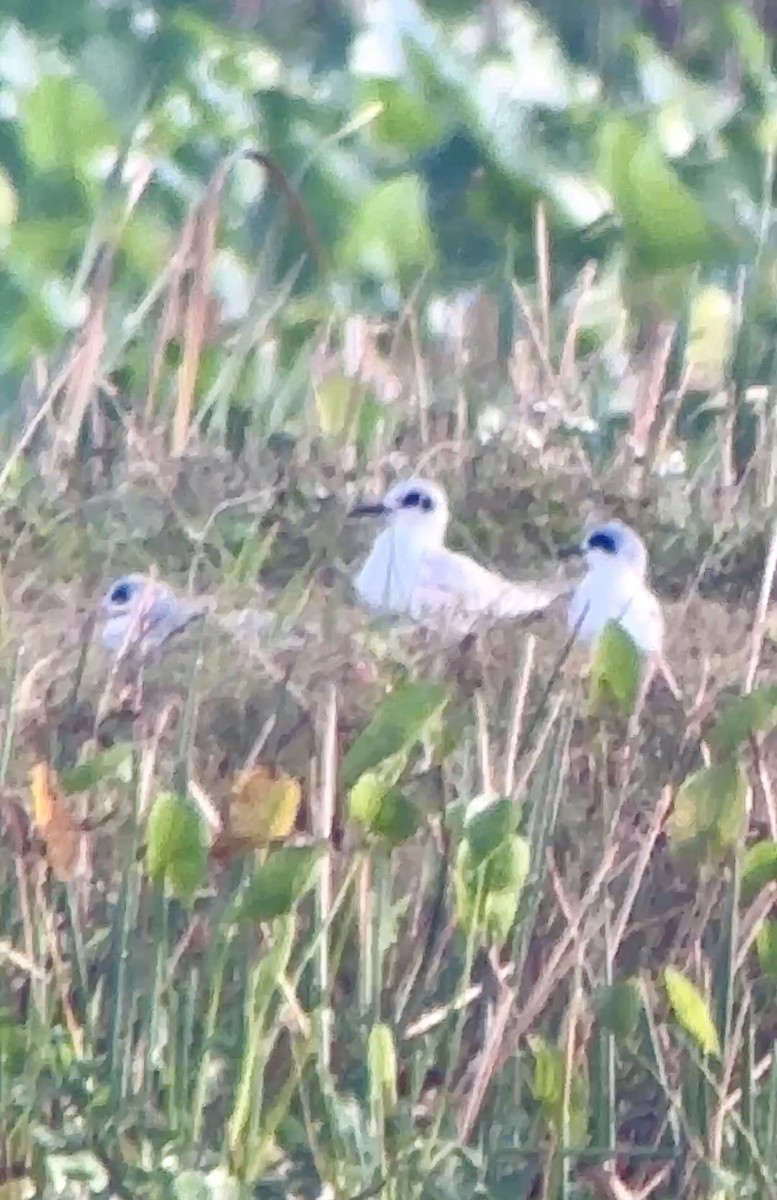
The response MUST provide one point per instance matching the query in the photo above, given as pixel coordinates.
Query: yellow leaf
(263, 806)
(65, 839)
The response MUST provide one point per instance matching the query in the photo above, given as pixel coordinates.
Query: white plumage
(141, 613)
(411, 572)
(615, 588)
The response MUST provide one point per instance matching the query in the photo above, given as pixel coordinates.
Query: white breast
(621, 597)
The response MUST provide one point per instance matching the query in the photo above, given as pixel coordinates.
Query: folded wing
(456, 585)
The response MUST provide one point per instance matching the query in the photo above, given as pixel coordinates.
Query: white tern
(411, 572)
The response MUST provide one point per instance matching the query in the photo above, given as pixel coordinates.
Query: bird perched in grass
(615, 588)
(141, 613)
(411, 572)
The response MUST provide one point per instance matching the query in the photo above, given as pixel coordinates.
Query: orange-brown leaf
(65, 839)
(263, 806)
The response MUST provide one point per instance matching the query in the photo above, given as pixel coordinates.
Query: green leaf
(280, 883)
(406, 121)
(664, 223)
(753, 713)
(616, 669)
(399, 723)
(382, 1068)
(488, 892)
(176, 850)
(548, 1082)
(104, 765)
(766, 947)
(338, 401)
(709, 812)
(759, 867)
(619, 1007)
(489, 821)
(691, 1011)
(397, 818)
(389, 235)
(65, 124)
(381, 809)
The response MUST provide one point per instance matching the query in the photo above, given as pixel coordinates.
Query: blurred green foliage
(421, 138)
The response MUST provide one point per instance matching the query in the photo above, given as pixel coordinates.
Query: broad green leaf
(399, 723)
(381, 809)
(489, 821)
(116, 761)
(691, 1010)
(759, 867)
(488, 892)
(751, 41)
(389, 236)
(365, 796)
(619, 1007)
(406, 121)
(280, 883)
(382, 1067)
(709, 812)
(663, 221)
(616, 669)
(397, 818)
(766, 946)
(755, 712)
(65, 124)
(176, 851)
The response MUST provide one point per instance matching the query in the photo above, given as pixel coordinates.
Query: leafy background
(528, 249)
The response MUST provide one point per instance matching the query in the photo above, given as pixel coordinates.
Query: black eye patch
(417, 500)
(121, 593)
(602, 541)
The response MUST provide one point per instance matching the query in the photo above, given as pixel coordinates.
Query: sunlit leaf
(389, 235)
(263, 805)
(382, 809)
(406, 120)
(616, 669)
(662, 219)
(66, 841)
(399, 723)
(755, 712)
(759, 867)
(382, 1067)
(691, 1010)
(64, 123)
(709, 811)
(176, 851)
(280, 883)
(766, 947)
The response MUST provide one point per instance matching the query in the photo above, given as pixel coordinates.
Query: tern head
(613, 545)
(415, 507)
(136, 608)
(123, 595)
